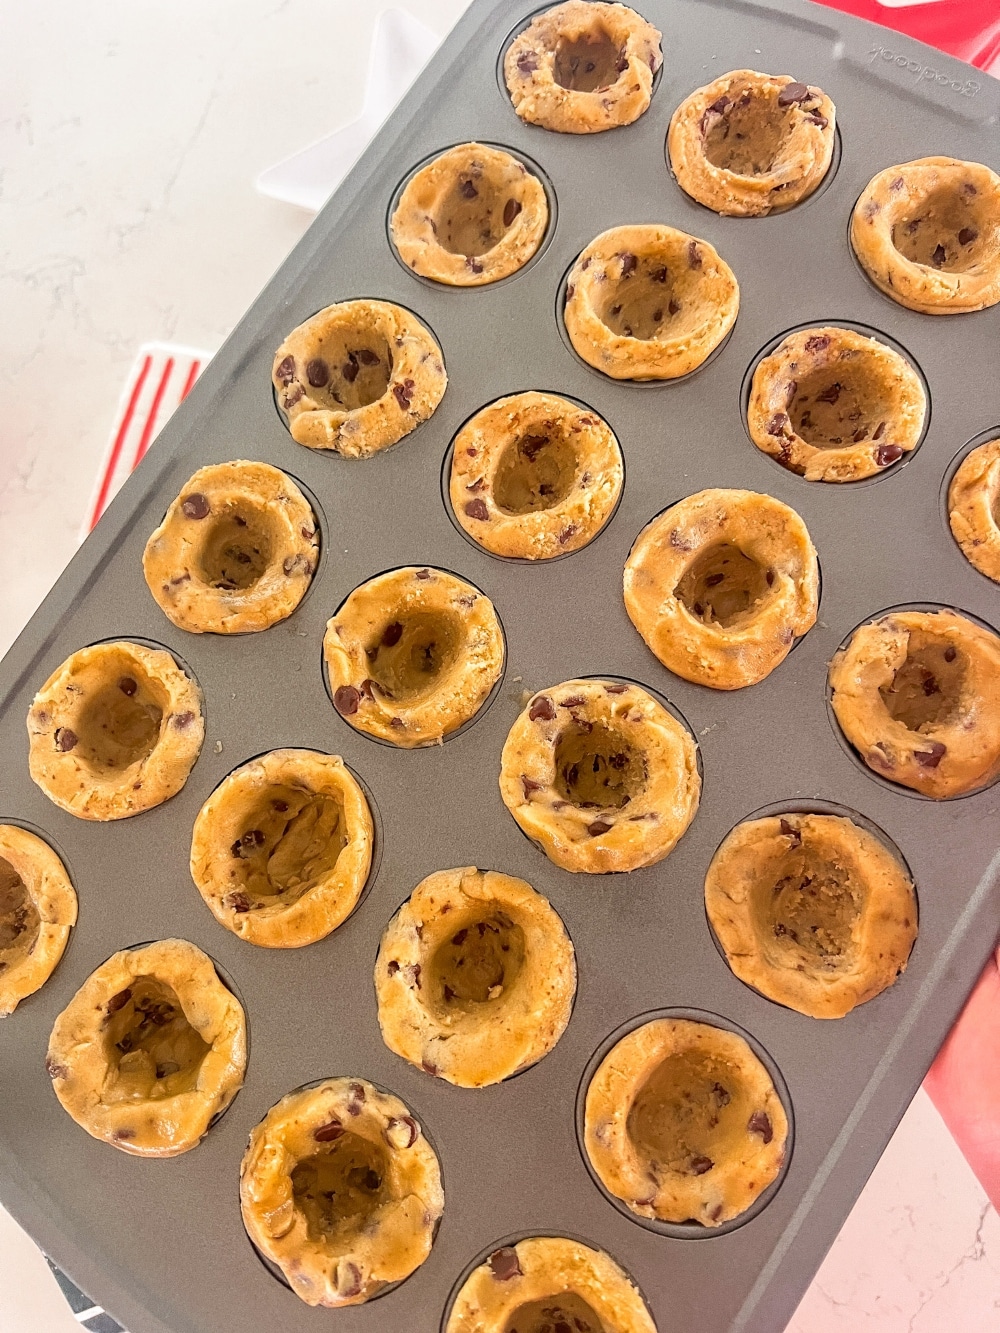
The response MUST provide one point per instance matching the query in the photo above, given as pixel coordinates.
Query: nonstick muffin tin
(161, 1242)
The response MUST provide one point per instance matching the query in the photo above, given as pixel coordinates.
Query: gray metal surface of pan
(161, 1243)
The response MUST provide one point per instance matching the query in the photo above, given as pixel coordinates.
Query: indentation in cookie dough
(927, 688)
(943, 231)
(553, 1314)
(688, 1114)
(292, 842)
(597, 768)
(723, 584)
(587, 61)
(474, 216)
(350, 369)
(19, 918)
(535, 471)
(236, 549)
(479, 962)
(748, 136)
(152, 1050)
(339, 1189)
(644, 303)
(812, 907)
(118, 726)
(411, 655)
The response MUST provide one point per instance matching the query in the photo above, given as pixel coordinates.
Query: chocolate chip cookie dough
(114, 730)
(235, 552)
(547, 1284)
(750, 144)
(340, 1188)
(721, 585)
(600, 776)
(683, 1123)
(37, 912)
(472, 216)
(282, 848)
(833, 405)
(412, 655)
(812, 910)
(357, 377)
(475, 977)
(648, 302)
(581, 68)
(917, 693)
(534, 476)
(927, 233)
(973, 505)
(150, 1049)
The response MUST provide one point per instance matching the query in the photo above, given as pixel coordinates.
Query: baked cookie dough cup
(475, 977)
(682, 1122)
(917, 694)
(282, 849)
(150, 1050)
(235, 552)
(37, 913)
(472, 216)
(750, 144)
(600, 776)
(534, 476)
(340, 1188)
(412, 655)
(547, 1284)
(927, 233)
(648, 302)
(973, 507)
(833, 405)
(721, 585)
(811, 910)
(580, 68)
(115, 730)
(357, 377)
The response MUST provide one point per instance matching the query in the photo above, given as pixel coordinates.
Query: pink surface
(968, 29)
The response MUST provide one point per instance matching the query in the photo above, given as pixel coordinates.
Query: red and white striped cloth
(160, 379)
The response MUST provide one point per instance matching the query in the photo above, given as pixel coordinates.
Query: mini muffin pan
(161, 1243)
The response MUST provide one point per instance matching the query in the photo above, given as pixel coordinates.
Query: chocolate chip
(286, 370)
(967, 235)
(939, 256)
(529, 785)
(694, 255)
(473, 264)
(504, 1264)
(293, 396)
(792, 93)
(830, 394)
(467, 190)
(510, 211)
(119, 1001)
(932, 757)
(777, 423)
(195, 506)
(566, 534)
(367, 357)
(570, 291)
(422, 574)
(403, 393)
(393, 967)
(789, 831)
(356, 1098)
(819, 121)
(460, 937)
(348, 1279)
(65, 739)
(128, 685)
(950, 653)
(54, 1070)
(317, 372)
(629, 264)
(396, 722)
(818, 343)
(291, 563)
(699, 1165)
(477, 509)
(236, 902)
(714, 580)
(182, 720)
(929, 684)
(897, 184)
(329, 1132)
(346, 700)
(598, 827)
(413, 972)
(621, 64)
(879, 431)
(403, 1131)
(527, 62)
(760, 1123)
(542, 709)
(392, 634)
(350, 368)
(887, 453)
(721, 1094)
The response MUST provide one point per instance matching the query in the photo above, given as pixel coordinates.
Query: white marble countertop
(130, 135)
